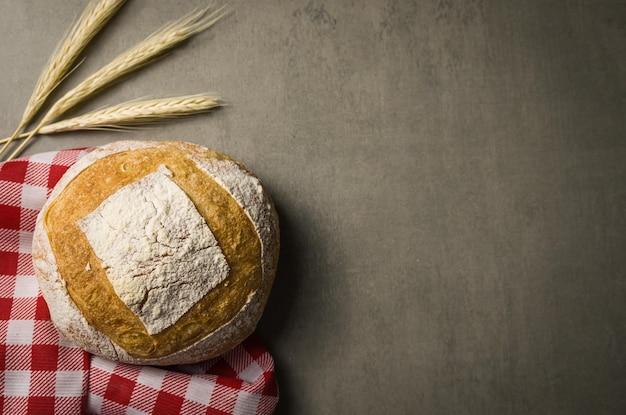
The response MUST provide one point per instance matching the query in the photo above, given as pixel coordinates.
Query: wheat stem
(14, 137)
(133, 112)
(94, 17)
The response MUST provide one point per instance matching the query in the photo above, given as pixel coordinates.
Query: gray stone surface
(450, 175)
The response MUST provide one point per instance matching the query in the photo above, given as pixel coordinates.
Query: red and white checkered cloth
(41, 373)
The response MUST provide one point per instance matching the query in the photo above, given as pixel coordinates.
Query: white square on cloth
(26, 286)
(25, 242)
(45, 158)
(33, 197)
(16, 382)
(20, 332)
(251, 373)
(247, 403)
(133, 411)
(69, 383)
(152, 377)
(199, 390)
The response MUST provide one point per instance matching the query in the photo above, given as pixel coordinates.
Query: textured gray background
(450, 175)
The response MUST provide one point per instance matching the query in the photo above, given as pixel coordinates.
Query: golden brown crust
(247, 246)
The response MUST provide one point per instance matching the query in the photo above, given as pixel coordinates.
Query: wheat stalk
(133, 112)
(143, 53)
(136, 57)
(136, 112)
(94, 17)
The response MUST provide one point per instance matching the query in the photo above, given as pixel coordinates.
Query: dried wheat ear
(62, 62)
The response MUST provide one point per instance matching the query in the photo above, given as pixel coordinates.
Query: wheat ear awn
(94, 17)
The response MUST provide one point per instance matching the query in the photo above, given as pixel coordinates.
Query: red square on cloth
(3, 356)
(43, 373)
(56, 172)
(41, 309)
(9, 217)
(8, 263)
(5, 308)
(14, 171)
(44, 356)
(168, 403)
(119, 389)
(40, 404)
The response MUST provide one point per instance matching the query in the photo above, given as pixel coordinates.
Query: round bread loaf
(156, 253)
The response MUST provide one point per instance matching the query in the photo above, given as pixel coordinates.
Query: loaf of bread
(156, 253)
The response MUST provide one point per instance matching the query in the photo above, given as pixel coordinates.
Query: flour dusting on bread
(161, 259)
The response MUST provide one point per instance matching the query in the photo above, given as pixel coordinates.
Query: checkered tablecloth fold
(42, 373)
